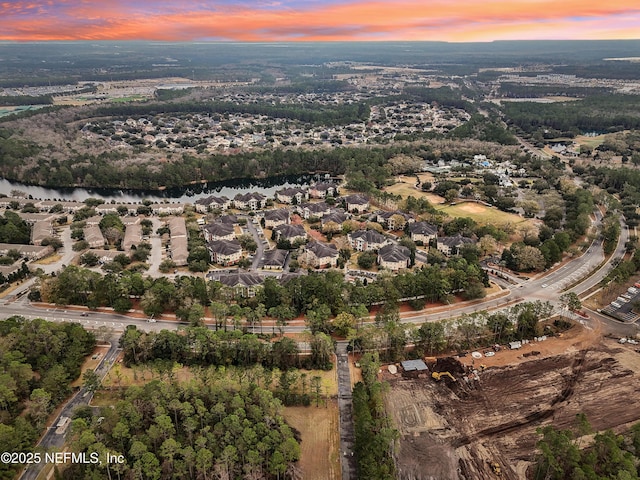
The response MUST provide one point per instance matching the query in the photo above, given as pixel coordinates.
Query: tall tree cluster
(38, 360)
(206, 428)
(566, 454)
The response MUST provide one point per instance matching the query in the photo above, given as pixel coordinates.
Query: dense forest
(598, 113)
(13, 229)
(568, 454)
(202, 346)
(516, 90)
(209, 427)
(375, 435)
(38, 361)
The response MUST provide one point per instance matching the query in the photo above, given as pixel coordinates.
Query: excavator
(438, 376)
(495, 467)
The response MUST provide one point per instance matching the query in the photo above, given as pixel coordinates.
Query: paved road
(53, 438)
(156, 250)
(259, 253)
(345, 406)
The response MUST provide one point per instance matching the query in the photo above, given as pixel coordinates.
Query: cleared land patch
(318, 427)
(481, 213)
(452, 430)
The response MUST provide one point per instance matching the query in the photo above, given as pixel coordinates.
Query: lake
(228, 188)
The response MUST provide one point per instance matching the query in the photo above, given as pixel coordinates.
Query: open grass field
(481, 213)
(407, 188)
(320, 448)
(592, 142)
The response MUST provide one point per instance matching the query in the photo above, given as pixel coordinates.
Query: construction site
(476, 416)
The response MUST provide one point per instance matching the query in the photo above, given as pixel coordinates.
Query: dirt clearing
(318, 427)
(455, 430)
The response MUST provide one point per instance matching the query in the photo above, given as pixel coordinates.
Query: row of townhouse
(179, 241)
(257, 201)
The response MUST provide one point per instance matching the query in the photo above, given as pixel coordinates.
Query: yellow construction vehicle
(438, 376)
(495, 466)
(483, 367)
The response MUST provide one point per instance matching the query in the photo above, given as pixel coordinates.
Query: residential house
(177, 227)
(292, 233)
(5, 202)
(225, 252)
(451, 245)
(292, 196)
(334, 220)
(132, 236)
(106, 256)
(106, 208)
(249, 201)
(32, 252)
(167, 208)
(394, 257)
(241, 284)
(367, 240)
(319, 210)
(394, 220)
(356, 203)
(179, 250)
(179, 241)
(323, 190)
(92, 221)
(93, 236)
(204, 205)
(322, 254)
(126, 221)
(423, 232)
(33, 218)
(67, 206)
(274, 259)
(41, 230)
(228, 219)
(273, 218)
(218, 231)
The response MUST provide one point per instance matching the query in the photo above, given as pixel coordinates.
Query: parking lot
(621, 308)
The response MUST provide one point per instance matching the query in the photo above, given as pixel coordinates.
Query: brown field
(320, 452)
(482, 214)
(453, 430)
(48, 260)
(405, 187)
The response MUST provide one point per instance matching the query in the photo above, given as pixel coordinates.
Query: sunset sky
(318, 20)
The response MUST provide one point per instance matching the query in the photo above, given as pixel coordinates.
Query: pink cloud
(465, 20)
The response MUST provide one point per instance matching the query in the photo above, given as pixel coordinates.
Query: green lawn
(481, 213)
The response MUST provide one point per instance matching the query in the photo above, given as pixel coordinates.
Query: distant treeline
(26, 100)
(515, 90)
(602, 113)
(444, 96)
(100, 171)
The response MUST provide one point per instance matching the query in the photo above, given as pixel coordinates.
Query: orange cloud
(466, 20)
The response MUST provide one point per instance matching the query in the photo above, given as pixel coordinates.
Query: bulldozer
(495, 466)
(438, 376)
